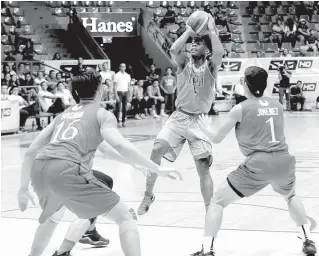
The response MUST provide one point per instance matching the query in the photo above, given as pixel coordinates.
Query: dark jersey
(76, 135)
(262, 126)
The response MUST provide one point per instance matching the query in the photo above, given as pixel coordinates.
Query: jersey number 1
(272, 130)
(73, 130)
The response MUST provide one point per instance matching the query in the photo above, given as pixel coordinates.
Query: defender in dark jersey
(59, 163)
(259, 126)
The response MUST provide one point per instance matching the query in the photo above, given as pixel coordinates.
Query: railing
(92, 46)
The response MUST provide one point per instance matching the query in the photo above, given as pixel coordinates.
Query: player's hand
(168, 172)
(190, 31)
(143, 170)
(205, 123)
(24, 196)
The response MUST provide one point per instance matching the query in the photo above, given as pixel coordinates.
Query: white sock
(207, 243)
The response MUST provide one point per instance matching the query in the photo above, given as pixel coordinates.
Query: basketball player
(61, 159)
(259, 127)
(196, 78)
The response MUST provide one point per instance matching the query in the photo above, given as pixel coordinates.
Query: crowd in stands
(153, 96)
(271, 29)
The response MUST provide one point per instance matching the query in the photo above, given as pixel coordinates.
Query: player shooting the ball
(196, 80)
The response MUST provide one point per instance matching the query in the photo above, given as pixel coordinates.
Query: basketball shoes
(145, 205)
(63, 254)
(94, 238)
(201, 253)
(309, 247)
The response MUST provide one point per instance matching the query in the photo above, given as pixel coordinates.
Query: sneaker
(39, 128)
(123, 125)
(143, 116)
(201, 253)
(145, 205)
(94, 238)
(309, 247)
(164, 115)
(137, 117)
(119, 125)
(63, 254)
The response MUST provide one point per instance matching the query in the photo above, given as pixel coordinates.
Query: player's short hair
(155, 80)
(256, 79)
(205, 39)
(299, 82)
(85, 85)
(169, 68)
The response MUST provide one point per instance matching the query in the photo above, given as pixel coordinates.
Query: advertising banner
(111, 24)
(304, 69)
(10, 116)
(67, 65)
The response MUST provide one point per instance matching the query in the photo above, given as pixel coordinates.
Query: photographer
(296, 96)
(284, 85)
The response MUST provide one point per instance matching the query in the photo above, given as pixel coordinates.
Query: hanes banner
(113, 24)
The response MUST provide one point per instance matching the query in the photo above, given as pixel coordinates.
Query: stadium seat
(39, 49)
(265, 20)
(317, 27)
(281, 11)
(271, 47)
(274, 3)
(254, 29)
(235, 55)
(8, 48)
(14, 4)
(311, 26)
(252, 38)
(66, 4)
(258, 47)
(193, 4)
(270, 10)
(17, 11)
(234, 29)
(276, 54)
(8, 21)
(292, 10)
(235, 20)
(285, 4)
(5, 39)
(5, 12)
(266, 28)
(315, 18)
(236, 47)
(306, 17)
(231, 13)
(254, 20)
(287, 46)
(236, 38)
(259, 11)
(248, 11)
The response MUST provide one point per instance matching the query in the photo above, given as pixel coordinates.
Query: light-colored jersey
(262, 126)
(76, 135)
(195, 89)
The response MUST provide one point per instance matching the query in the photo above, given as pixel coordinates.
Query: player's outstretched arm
(217, 136)
(40, 141)
(115, 139)
(111, 153)
(217, 47)
(177, 50)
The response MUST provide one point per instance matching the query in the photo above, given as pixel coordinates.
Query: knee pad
(58, 216)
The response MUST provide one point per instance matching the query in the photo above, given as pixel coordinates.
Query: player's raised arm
(217, 47)
(115, 139)
(40, 141)
(217, 136)
(177, 50)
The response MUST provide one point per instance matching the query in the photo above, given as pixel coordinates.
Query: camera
(281, 69)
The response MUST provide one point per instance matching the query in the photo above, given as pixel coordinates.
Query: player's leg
(168, 144)
(206, 181)
(162, 113)
(44, 233)
(281, 94)
(128, 231)
(285, 186)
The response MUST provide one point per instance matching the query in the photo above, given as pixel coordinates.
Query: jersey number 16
(69, 133)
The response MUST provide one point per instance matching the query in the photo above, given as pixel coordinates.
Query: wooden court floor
(259, 225)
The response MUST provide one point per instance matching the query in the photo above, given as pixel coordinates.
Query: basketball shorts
(60, 183)
(261, 169)
(181, 127)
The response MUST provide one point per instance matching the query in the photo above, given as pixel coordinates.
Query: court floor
(258, 226)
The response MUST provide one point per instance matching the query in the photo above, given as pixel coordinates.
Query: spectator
(317, 103)
(28, 93)
(226, 53)
(21, 71)
(59, 76)
(52, 80)
(28, 52)
(56, 56)
(14, 81)
(168, 86)
(4, 92)
(223, 28)
(64, 94)
(39, 79)
(301, 53)
(122, 82)
(10, 57)
(46, 100)
(6, 79)
(316, 7)
(106, 73)
(79, 68)
(174, 34)
(258, 54)
(291, 32)
(284, 84)
(239, 92)
(108, 94)
(152, 75)
(279, 31)
(207, 9)
(311, 42)
(296, 96)
(130, 70)
(285, 54)
(302, 31)
(169, 17)
(8, 70)
(155, 97)
(137, 102)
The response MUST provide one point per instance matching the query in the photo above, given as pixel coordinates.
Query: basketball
(198, 22)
